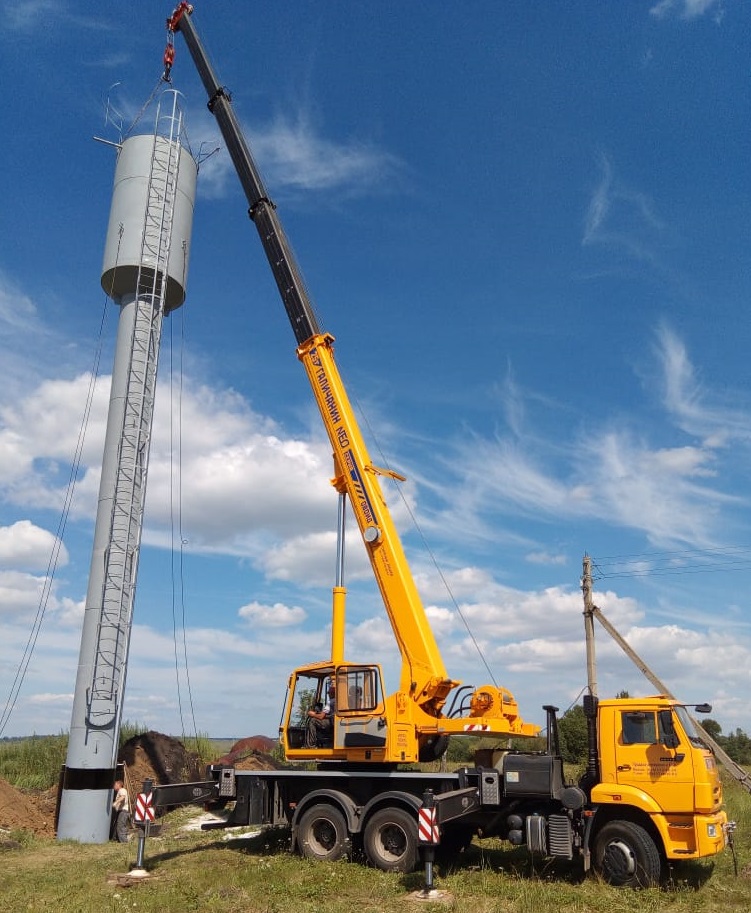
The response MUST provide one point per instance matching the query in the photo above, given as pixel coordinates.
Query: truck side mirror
(667, 729)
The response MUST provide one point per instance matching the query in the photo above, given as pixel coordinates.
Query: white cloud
(250, 490)
(545, 558)
(24, 545)
(310, 559)
(613, 475)
(66, 700)
(697, 409)
(20, 593)
(235, 486)
(294, 158)
(245, 488)
(18, 313)
(31, 15)
(688, 9)
(532, 641)
(242, 486)
(442, 620)
(29, 348)
(39, 435)
(272, 616)
(657, 491)
(23, 596)
(622, 219)
(669, 480)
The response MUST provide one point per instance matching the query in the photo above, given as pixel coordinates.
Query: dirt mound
(160, 758)
(29, 811)
(151, 756)
(253, 753)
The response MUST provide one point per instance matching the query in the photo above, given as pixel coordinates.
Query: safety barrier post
(429, 835)
(143, 816)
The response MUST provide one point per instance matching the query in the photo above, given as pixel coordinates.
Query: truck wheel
(322, 834)
(432, 748)
(391, 840)
(626, 856)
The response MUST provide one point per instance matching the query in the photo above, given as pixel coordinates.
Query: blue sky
(527, 227)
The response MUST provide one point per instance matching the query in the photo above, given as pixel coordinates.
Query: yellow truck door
(643, 760)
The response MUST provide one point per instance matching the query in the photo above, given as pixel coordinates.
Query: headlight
(711, 830)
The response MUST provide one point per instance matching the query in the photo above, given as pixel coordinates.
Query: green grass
(203, 872)
(197, 871)
(33, 763)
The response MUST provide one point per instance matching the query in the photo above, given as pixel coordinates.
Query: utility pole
(589, 626)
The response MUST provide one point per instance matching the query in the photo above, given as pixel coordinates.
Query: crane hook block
(169, 59)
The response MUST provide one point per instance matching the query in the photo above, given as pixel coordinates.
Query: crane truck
(651, 792)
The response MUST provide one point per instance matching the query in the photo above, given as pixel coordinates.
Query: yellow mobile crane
(368, 726)
(650, 793)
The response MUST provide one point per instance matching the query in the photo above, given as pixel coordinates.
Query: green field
(215, 871)
(220, 871)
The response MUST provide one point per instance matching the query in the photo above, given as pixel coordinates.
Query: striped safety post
(144, 815)
(144, 812)
(428, 834)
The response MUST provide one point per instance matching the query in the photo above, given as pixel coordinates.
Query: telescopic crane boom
(369, 726)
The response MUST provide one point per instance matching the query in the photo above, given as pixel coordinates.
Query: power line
(177, 561)
(49, 577)
(674, 563)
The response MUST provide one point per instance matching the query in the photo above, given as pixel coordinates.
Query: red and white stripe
(144, 807)
(427, 826)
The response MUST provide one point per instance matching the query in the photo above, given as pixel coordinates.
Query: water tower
(144, 272)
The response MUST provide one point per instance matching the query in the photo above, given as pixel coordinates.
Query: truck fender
(616, 796)
(655, 825)
(394, 797)
(333, 797)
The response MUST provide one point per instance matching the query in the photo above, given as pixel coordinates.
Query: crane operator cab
(335, 711)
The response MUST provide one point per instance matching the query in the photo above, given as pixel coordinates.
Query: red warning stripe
(144, 807)
(427, 826)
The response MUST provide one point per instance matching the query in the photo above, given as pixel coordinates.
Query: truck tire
(433, 748)
(322, 833)
(390, 840)
(626, 856)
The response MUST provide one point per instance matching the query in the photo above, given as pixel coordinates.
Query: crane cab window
(357, 689)
(311, 693)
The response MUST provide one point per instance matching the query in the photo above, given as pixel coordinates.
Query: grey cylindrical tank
(125, 250)
(145, 265)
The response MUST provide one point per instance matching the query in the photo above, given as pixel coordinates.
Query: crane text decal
(325, 387)
(358, 489)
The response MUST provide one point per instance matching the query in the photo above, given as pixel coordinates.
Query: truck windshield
(688, 726)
